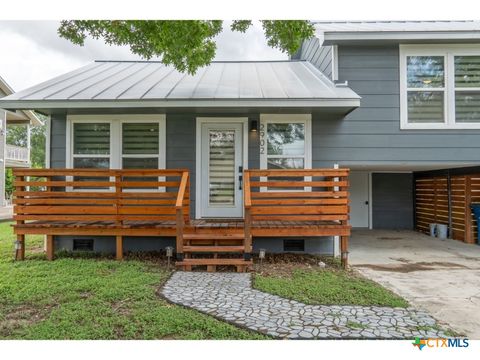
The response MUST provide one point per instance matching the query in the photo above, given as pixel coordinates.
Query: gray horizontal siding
(372, 132)
(319, 56)
(58, 151)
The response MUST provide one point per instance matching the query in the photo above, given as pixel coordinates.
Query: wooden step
(213, 262)
(200, 236)
(214, 249)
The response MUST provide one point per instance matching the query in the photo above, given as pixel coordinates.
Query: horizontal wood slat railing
(297, 203)
(121, 202)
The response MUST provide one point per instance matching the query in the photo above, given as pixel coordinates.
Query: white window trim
(448, 52)
(286, 118)
(334, 62)
(116, 122)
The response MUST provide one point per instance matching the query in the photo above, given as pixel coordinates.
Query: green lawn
(328, 286)
(92, 298)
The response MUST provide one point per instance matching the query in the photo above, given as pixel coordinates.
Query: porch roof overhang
(17, 116)
(114, 85)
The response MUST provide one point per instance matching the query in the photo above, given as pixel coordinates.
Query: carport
(440, 276)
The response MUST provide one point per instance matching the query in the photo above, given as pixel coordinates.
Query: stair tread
(189, 248)
(213, 262)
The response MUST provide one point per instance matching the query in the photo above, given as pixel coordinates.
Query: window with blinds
(440, 87)
(91, 148)
(112, 143)
(426, 89)
(140, 145)
(91, 145)
(467, 89)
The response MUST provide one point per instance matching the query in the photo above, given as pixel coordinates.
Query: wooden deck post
(20, 248)
(180, 224)
(344, 251)
(248, 217)
(50, 248)
(20, 245)
(119, 247)
(180, 220)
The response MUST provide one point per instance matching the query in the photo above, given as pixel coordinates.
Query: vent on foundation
(293, 245)
(82, 244)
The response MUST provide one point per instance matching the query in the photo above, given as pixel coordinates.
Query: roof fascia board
(42, 104)
(331, 38)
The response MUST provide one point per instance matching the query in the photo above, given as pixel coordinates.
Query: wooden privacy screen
(432, 205)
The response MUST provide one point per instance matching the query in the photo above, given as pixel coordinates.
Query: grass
(356, 325)
(93, 298)
(328, 286)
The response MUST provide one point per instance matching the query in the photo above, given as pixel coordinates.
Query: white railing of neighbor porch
(17, 153)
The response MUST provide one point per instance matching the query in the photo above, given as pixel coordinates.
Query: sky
(33, 52)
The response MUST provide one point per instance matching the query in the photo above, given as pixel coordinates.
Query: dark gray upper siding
(371, 134)
(320, 56)
(180, 144)
(58, 140)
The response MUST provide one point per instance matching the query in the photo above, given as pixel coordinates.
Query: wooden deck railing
(284, 201)
(112, 199)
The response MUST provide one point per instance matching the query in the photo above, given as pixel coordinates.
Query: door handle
(240, 177)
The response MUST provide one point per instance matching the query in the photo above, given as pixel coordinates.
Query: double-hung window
(140, 145)
(439, 87)
(285, 141)
(91, 145)
(116, 141)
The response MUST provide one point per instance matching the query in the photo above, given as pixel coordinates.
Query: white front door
(359, 195)
(220, 170)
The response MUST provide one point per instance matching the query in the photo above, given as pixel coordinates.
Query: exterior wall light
(254, 125)
(261, 256)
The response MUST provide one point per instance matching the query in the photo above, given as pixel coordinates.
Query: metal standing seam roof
(147, 81)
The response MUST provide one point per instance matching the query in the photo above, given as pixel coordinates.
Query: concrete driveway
(442, 277)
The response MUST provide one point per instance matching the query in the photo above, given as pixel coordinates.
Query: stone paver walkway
(230, 297)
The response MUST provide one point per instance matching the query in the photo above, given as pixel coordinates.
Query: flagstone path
(230, 297)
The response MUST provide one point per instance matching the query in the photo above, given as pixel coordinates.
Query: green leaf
(187, 45)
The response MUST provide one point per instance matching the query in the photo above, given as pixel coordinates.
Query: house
(387, 100)
(11, 155)
(419, 112)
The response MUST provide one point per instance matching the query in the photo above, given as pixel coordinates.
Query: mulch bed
(283, 265)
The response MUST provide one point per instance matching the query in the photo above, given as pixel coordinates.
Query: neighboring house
(12, 156)
(385, 99)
